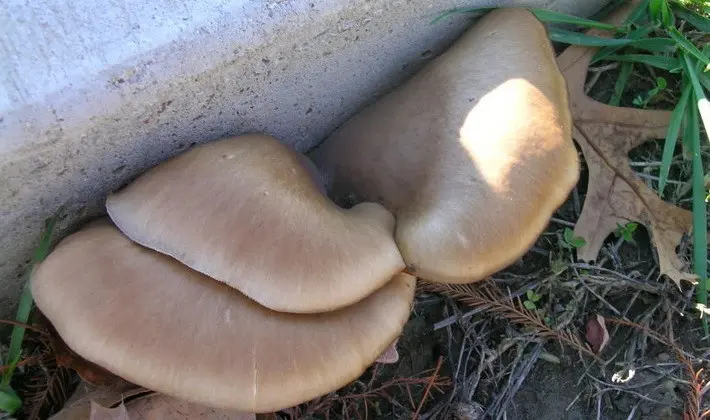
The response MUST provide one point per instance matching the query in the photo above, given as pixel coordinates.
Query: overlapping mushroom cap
(245, 211)
(155, 322)
(472, 155)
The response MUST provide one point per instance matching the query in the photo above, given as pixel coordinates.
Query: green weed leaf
(639, 14)
(700, 239)
(621, 81)
(658, 45)
(658, 61)
(672, 137)
(688, 46)
(702, 101)
(604, 52)
(550, 16)
(529, 305)
(661, 83)
(643, 99)
(571, 240)
(700, 22)
(9, 401)
(461, 10)
(667, 17)
(576, 38)
(654, 9)
(626, 231)
(23, 313)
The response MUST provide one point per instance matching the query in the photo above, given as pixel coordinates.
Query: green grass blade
(659, 45)
(620, 84)
(704, 80)
(700, 22)
(575, 38)
(25, 306)
(18, 334)
(550, 16)
(667, 16)
(461, 10)
(654, 9)
(659, 61)
(672, 136)
(656, 45)
(700, 239)
(639, 12)
(702, 101)
(604, 52)
(9, 401)
(699, 65)
(688, 46)
(547, 16)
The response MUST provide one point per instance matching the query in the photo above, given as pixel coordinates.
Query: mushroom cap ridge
(245, 211)
(153, 321)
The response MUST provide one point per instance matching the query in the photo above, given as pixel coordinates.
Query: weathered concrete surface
(94, 94)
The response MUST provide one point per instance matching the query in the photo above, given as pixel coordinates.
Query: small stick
(562, 222)
(515, 386)
(428, 388)
(20, 324)
(26, 361)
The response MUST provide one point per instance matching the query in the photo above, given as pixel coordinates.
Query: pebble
(669, 385)
(468, 411)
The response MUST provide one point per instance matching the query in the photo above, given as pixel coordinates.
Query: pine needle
(487, 296)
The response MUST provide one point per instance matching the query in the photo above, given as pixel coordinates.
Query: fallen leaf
(126, 401)
(596, 333)
(390, 355)
(66, 357)
(615, 195)
(78, 407)
(99, 412)
(162, 407)
(86, 370)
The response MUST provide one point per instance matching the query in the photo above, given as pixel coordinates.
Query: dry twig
(693, 398)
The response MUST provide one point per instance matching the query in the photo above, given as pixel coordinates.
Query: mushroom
(154, 322)
(472, 155)
(245, 211)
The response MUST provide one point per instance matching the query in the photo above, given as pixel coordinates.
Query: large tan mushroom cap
(149, 319)
(472, 155)
(245, 211)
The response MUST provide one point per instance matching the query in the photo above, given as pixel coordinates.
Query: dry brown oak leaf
(615, 194)
(125, 401)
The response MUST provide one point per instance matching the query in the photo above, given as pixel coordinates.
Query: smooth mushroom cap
(245, 211)
(472, 155)
(156, 323)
